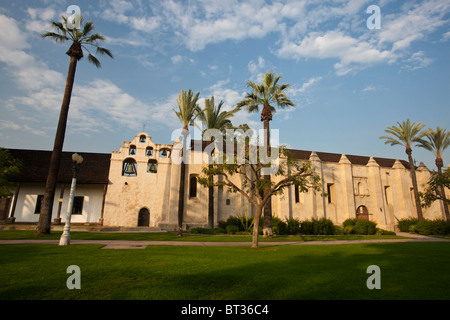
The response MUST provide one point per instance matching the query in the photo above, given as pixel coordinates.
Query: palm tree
(188, 110)
(437, 141)
(266, 94)
(80, 38)
(213, 117)
(406, 134)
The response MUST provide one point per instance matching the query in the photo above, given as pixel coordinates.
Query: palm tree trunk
(211, 201)
(45, 216)
(414, 182)
(267, 231)
(182, 183)
(256, 226)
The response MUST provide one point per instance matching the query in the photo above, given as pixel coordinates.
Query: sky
(348, 80)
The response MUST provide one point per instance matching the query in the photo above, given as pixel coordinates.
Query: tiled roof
(335, 157)
(93, 170)
(327, 157)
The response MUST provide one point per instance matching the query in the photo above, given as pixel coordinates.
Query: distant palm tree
(437, 141)
(188, 110)
(80, 38)
(266, 94)
(213, 117)
(406, 134)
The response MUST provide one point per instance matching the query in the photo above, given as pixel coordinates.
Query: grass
(171, 236)
(408, 271)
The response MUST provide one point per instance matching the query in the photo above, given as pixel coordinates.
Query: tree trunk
(439, 164)
(414, 182)
(256, 227)
(267, 231)
(45, 216)
(182, 183)
(211, 202)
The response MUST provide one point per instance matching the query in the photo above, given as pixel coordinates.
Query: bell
(152, 168)
(129, 170)
(164, 153)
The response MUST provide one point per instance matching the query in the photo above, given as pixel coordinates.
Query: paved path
(126, 244)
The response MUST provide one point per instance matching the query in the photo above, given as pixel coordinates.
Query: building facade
(138, 186)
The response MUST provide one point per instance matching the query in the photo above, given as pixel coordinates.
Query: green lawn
(172, 236)
(408, 271)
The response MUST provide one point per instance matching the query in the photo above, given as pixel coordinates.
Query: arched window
(152, 166)
(193, 187)
(149, 151)
(142, 138)
(129, 168)
(132, 150)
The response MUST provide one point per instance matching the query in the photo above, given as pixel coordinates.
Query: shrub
(404, 224)
(307, 227)
(232, 229)
(432, 227)
(350, 222)
(358, 226)
(320, 226)
(365, 227)
(279, 226)
(293, 226)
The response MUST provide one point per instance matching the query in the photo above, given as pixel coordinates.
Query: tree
(188, 110)
(406, 134)
(438, 181)
(266, 94)
(80, 38)
(437, 141)
(9, 167)
(213, 117)
(254, 187)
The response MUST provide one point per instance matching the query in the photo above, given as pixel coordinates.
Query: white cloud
(418, 60)
(336, 45)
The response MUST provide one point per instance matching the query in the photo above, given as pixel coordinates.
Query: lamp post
(65, 237)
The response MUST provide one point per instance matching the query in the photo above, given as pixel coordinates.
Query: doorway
(362, 213)
(144, 218)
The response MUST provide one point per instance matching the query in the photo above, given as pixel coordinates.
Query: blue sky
(349, 82)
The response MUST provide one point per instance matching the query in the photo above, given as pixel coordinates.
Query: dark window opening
(142, 139)
(227, 202)
(37, 208)
(193, 187)
(149, 152)
(297, 194)
(331, 193)
(78, 205)
(132, 150)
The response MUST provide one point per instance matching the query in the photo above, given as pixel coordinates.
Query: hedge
(425, 227)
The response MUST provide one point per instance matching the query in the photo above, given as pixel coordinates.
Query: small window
(193, 187)
(331, 193)
(149, 152)
(132, 150)
(129, 168)
(78, 205)
(227, 202)
(37, 208)
(152, 166)
(297, 194)
(142, 139)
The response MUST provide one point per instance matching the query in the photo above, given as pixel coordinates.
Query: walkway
(126, 244)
